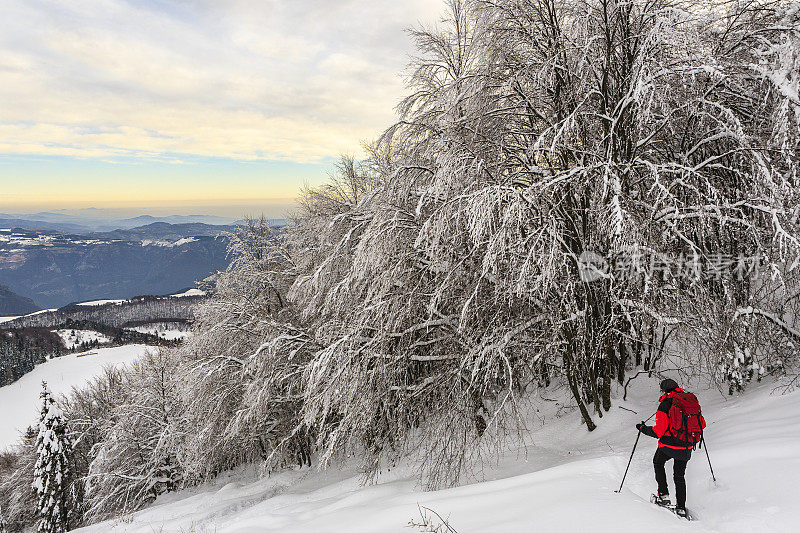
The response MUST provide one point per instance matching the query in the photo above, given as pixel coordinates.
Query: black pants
(680, 459)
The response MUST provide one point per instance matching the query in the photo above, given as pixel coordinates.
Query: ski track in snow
(19, 401)
(564, 485)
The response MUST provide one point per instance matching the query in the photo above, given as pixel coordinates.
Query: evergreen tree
(51, 473)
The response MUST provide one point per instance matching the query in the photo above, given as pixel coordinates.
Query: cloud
(299, 81)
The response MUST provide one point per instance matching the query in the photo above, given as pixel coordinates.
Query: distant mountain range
(89, 221)
(51, 269)
(22, 223)
(164, 231)
(12, 304)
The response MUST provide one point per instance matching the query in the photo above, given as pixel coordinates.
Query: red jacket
(661, 429)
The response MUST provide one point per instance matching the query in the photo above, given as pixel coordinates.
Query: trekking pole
(703, 442)
(638, 434)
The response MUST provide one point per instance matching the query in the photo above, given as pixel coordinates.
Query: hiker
(679, 427)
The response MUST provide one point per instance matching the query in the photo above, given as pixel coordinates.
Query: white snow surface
(190, 292)
(167, 244)
(95, 303)
(7, 318)
(19, 402)
(164, 333)
(562, 480)
(40, 312)
(73, 338)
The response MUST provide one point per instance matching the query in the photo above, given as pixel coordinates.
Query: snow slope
(75, 337)
(190, 292)
(161, 331)
(564, 481)
(19, 402)
(97, 303)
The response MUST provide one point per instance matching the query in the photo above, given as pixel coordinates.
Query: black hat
(668, 385)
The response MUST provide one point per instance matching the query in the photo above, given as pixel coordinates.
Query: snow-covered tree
(16, 477)
(247, 359)
(51, 476)
(417, 296)
(138, 457)
(539, 131)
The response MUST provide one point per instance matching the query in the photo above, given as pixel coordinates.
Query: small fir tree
(51, 473)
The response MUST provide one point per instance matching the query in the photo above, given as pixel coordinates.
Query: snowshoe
(685, 513)
(662, 500)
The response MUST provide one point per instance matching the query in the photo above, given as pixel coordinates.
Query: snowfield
(162, 332)
(190, 292)
(19, 402)
(73, 338)
(40, 312)
(96, 303)
(167, 244)
(566, 486)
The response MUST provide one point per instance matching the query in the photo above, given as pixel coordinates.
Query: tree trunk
(569, 368)
(623, 361)
(607, 369)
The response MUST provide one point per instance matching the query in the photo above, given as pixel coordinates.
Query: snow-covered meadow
(72, 338)
(561, 479)
(19, 402)
(166, 331)
(95, 303)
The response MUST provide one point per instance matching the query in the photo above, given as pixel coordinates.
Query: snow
(190, 292)
(7, 318)
(23, 240)
(164, 333)
(101, 302)
(562, 481)
(40, 312)
(19, 402)
(73, 338)
(167, 244)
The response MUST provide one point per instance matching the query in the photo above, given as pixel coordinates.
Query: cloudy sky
(191, 102)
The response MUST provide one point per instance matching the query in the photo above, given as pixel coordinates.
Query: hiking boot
(681, 511)
(661, 499)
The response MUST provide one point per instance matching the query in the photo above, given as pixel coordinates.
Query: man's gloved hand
(640, 425)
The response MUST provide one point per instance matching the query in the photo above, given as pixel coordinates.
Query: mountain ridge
(13, 304)
(97, 223)
(55, 268)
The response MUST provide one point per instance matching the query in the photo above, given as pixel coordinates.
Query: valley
(61, 374)
(36, 338)
(53, 269)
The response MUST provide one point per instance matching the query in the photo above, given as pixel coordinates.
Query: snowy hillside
(166, 331)
(566, 485)
(73, 338)
(20, 400)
